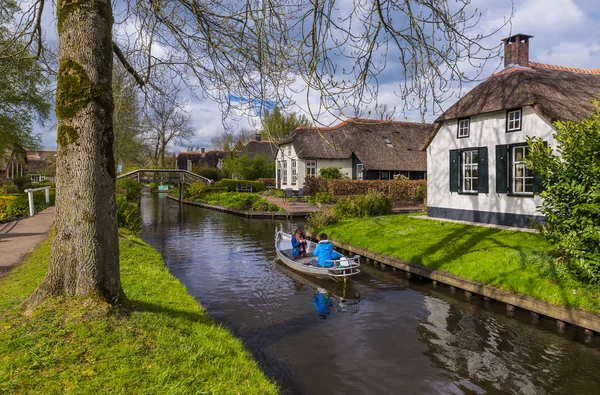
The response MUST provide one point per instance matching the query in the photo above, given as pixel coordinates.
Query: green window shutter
(501, 169)
(482, 169)
(454, 170)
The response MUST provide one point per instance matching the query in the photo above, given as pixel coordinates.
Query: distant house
(211, 158)
(37, 165)
(476, 149)
(362, 149)
(266, 148)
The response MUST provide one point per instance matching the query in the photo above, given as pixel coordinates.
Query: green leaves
(571, 198)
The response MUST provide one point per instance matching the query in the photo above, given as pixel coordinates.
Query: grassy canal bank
(515, 261)
(163, 343)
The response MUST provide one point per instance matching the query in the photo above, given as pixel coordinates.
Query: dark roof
(266, 148)
(208, 158)
(379, 145)
(556, 92)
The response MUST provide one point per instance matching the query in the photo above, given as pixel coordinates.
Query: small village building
(363, 149)
(211, 158)
(37, 165)
(476, 149)
(258, 146)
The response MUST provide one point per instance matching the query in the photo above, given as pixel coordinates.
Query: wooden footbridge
(167, 176)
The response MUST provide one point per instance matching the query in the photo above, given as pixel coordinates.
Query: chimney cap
(514, 37)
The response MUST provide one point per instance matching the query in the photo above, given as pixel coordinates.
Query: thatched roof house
(266, 148)
(378, 145)
(211, 158)
(475, 152)
(360, 148)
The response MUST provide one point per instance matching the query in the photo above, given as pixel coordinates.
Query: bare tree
(167, 122)
(225, 50)
(232, 140)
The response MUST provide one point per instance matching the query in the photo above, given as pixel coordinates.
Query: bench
(243, 187)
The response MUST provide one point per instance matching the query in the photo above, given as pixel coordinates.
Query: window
(463, 127)
(522, 176)
(285, 171)
(513, 120)
(311, 168)
(35, 178)
(294, 172)
(470, 171)
(384, 175)
(359, 171)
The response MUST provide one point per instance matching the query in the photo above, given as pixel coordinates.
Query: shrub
(331, 173)
(323, 197)
(154, 186)
(197, 188)
(321, 219)
(571, 200)
(18, 206)
(4, 202)
(128, 215)
(267, 182)
(400, 190)
(130, 188)
(8, 189)
(369, 205)
(314, 185)
(230, 184)
(20, 182)
(209, 172)
(274, 192)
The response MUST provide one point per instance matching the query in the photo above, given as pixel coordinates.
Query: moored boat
(341, 268)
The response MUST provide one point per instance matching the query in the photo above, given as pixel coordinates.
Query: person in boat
(324, 253)
(298, 245)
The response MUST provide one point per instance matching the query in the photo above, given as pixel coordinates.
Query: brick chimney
(202, 150)
(516, 50)
(258, 137)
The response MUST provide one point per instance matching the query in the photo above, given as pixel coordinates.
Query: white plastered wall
(487, 130)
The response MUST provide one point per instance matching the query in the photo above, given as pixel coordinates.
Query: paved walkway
(292, 206)
(18, 238)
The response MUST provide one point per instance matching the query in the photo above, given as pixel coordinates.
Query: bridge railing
(173, 176)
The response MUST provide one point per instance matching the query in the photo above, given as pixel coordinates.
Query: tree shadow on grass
(172, 313)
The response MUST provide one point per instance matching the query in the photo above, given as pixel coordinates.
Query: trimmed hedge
(398, 190)
(230, 184)
(314, 185)
(267, 182)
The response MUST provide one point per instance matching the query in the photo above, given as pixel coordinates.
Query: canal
(378, 334)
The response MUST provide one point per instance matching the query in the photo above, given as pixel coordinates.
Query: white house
(475, 151)
(361, 148)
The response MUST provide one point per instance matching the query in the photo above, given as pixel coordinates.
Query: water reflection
(382, 334)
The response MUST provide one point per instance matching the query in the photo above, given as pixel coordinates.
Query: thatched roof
(556, 92)
(265, 147)
(379, 145)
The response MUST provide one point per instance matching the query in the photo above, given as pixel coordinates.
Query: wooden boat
(342, 268)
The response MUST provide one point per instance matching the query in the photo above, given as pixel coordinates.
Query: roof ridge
(357, 120)
(565, 68)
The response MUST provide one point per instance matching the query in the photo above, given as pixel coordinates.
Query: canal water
(379, 334)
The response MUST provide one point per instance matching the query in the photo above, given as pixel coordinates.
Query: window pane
(519, 170)
(529, 185)
(475, 172)
(475, 184)
(518, 185)
(475, 156)
(518, 154)
(467, 184)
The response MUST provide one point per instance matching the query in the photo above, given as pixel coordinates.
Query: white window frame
(514, 120)
(311, 168)
(294, 171)
(284, 172)
(464, 126)
(35, 178)
(360, 171)
(515, 165)
(469, 164)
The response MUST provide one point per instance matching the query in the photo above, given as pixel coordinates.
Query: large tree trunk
(85, 253)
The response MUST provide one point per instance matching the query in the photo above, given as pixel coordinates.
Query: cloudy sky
(565, 33)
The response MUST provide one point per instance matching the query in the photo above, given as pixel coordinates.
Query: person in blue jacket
(324, 252)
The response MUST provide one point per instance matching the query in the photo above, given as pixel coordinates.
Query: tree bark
(85, 253)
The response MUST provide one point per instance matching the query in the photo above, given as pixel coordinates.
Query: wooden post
(408, 275)
(434, 283)
(486, 302)
(452, 289)
(181, 193)
(468, 295)
(382, 265)
(561, 326)
(589, 335)
(535, 318)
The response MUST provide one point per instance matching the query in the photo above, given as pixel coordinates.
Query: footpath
(18, 238)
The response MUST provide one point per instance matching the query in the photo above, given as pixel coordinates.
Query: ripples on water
(382, 335)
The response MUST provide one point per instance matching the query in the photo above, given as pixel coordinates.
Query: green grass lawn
(163, 344)
(512, 260)
(238, 201)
